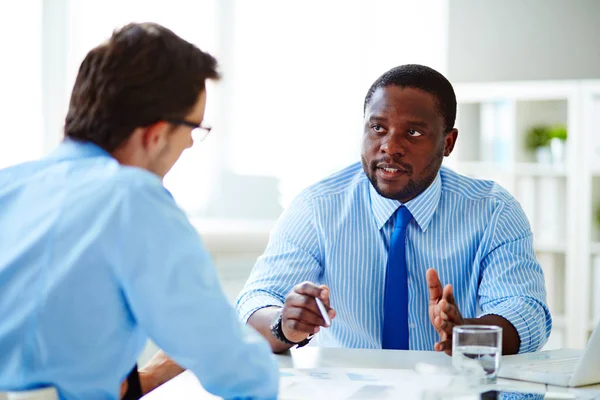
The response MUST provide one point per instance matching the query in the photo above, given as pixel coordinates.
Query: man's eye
(377, 128)
(414, 133)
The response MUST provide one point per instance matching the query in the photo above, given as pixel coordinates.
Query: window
(300, 74)
(91, 22)
(21, 138)
(288, 110)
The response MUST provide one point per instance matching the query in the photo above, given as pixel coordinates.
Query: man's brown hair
(143, 74)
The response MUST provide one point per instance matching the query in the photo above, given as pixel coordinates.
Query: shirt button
(411, 325)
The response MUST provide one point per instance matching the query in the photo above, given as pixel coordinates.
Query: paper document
(321, 383)
(355, 383)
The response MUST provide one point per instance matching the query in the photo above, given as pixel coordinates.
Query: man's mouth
(390, 171)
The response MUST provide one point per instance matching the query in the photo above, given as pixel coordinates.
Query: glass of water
(476, 351)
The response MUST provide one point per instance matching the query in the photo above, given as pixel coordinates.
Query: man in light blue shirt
(96, 256)
(334, 239)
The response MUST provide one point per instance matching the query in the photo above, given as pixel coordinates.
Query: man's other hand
(443, 311)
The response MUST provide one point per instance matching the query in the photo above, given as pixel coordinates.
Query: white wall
(491, 40)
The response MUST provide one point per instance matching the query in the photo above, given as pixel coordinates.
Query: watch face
(276, 320)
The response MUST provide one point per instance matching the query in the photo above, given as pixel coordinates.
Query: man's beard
(413, 188)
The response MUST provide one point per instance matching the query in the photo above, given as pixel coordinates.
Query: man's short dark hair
(143, 74)
(423, 78)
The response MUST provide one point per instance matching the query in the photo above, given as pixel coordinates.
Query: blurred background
(288, 110)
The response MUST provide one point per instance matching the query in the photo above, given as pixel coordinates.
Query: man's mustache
(395, 161)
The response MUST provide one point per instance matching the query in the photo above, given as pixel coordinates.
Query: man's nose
(393, 143)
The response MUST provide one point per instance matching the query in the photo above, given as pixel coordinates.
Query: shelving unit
(558, 198)
(591, 184)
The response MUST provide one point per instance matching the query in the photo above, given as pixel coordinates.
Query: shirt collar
(73, 149)
(421, 207)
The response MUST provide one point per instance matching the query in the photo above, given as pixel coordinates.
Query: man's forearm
(261, 320)
(510, 337)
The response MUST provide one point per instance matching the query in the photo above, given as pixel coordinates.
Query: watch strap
(277, 331)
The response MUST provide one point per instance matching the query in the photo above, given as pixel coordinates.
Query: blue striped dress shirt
(337, 232)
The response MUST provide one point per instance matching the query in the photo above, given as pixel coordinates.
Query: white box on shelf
(595, 156)
(525, 194)
(548, 263)
(596, 289)
(550, 216)
(497, 133)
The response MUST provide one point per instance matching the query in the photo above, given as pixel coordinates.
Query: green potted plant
(547, 142)
(537, 140)
(558, 139)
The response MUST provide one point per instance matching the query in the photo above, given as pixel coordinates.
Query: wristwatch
(277, 331)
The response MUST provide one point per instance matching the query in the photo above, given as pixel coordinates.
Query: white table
(313, 357)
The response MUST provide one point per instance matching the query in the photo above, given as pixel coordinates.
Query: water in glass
(476, 351)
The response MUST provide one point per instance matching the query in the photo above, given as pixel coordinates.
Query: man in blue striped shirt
(332, 242)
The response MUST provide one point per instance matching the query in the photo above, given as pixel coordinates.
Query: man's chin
(391, 191)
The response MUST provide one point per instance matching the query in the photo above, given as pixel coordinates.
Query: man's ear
(450, 141)
(154, 137)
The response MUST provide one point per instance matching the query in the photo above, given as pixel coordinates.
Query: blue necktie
(395, 303)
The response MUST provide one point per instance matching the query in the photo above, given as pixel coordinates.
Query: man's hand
(300, 315)
(157, 371)
(443, 311)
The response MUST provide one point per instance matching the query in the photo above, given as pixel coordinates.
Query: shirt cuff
(249, 305)
(514, 313)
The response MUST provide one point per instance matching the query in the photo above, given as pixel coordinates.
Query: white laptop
(557, 367)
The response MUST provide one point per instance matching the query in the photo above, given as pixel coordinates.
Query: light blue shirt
(95, 258)
(336, 232)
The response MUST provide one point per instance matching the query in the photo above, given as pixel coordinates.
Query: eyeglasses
(199, 131)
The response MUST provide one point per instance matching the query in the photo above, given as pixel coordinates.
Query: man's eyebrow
(376, 118)
(421, 124)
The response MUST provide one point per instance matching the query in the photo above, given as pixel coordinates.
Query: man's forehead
(392, 98)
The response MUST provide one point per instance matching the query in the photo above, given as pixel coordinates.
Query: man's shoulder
(134, 179)
(474, 189)
(345, 181)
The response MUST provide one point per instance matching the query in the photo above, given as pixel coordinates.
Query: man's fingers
(299, 326)
(325, 296)
(312, 290)
(434, 284)
(450, 312)
(296, 300)
(443, 326)
(309, 289)
(448, 294)
(444, 345)
(305, 316)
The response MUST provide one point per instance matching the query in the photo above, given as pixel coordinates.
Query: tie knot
(403, 217)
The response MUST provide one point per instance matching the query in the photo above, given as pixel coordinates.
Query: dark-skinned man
(400, 249)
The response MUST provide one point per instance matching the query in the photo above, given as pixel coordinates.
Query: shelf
(536, 169)
(559, 321)
(518, 169)
(494, 118)
(480, 168)
(518, 91)
(233, 235)
(550, 247)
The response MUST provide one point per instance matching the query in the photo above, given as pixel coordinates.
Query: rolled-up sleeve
(292, 256)
(512, 282)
